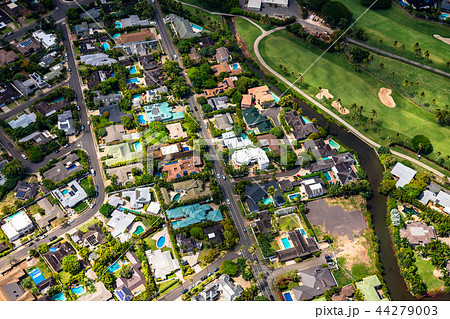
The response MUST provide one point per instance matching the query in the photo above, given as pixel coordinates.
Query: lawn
(165, 285)
(425, 270)
(92, 222)
(248, 32)
(80, 207)
(209, 19)
(395, 25)
(7, 30)
(434, 86)
(333, 72)
(8, 200)
(274, 245)
(85, 184)
(34, 209)
(64, 276)
(288, 223)
(150, 243)
(43, 268)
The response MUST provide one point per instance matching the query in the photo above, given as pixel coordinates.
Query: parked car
(53, 238)
(23, 156)
(198, 283)
(78, 107)
(88, 122)
(223, 176)
(70, 70)
(56, 152)
(218, 175)
(82, 127)
(185, 291)
(92, 172)
(96, 187)
(210, 274)
(331, 263)
(67, 145)
(92, 205)
(195, 108)
(244, 229)
(30, 244)
(216, 270)
(44, 236)
(204, 277)
(228, 202)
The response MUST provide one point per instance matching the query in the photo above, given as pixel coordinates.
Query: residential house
(25, 191)
(176, 130)
(182, 167)
(223, 86)
(319, 148)
(255, 5)
(48, 109)
(93, 14)
(148, 62)
(205, 42)
(7, 57)
(187, 245)
(100, 294)
(134, 20)
(247, 101)
(312, 187)
(70, 195)
(52, 212)
(439, 197)
(304, 247)
(315, 281)
(121, 153)
(370, 288)
(45, 285)
(402, 174)
(301, 128)
(345, 294)
(39, 80)
(28, 46)
(262, 95)
(162, 112)
(10, 288)
(214, 234)
(223, 289)
(87, 47)
(64, 168)
(224, 121)
(218, 103)
(222, 55)
(269, 141)
(93, 237)
(121, 222)
(116, 201)
(8, 93)
(264, 222)
(26, 87)
(123, 173)
(136, 283)
(418, 233)
(106, 100)
(340, 168)
(195, 57)
(55, 256)
(48, 41)
(114, 113)
(66, 123)
(232, 142)
(97, 59)
(192, 214)
(54, 72)
(258, 192)
(191, 189)
(48, 59)
(162, 263)
(23, 121)
(17, 225)
(253, 119)
(114, 133)
(234, 69)
(252, 155)
(182, 27)
(138, 197)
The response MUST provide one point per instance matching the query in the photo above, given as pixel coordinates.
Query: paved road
(87, 143)
(397, 57)
(329, 112)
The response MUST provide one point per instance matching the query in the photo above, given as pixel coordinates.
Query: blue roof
(193, 214)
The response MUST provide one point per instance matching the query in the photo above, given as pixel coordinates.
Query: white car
(218, 175)
(228, 202)
(23, 156)
(223, 176)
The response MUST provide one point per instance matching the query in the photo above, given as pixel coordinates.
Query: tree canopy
(71, 264)
(13, 169)
(422, 144)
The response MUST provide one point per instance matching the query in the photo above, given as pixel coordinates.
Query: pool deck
(164, 233)
(135, 226)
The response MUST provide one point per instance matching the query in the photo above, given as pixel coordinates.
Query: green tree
(196, 232)
(126, 271)
(422, 143)
(127, 122)
(71, 264)
(228, 267)
(106, 210)
(13, 169)
(101, 132)
(276, 131)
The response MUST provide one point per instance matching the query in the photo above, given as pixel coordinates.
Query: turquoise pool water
(133, 80)
(327, 176)
(78, 290)
(306, 120)
(244, 136)
(133, 70)
(139, 230)
(59, 297)
(141, 119)
(137, 146)
(64, 191)
(286, 243)
(161, 241)
(176, 197)
(293, 196)
(118, 24)
(114, 267)
(58, 100)
(334, 144)
(287, 296)
(116, 35)
(14, 215)
(196, 28)
(276, 98)
(235, 66)
(302, 231)
(267, 201)
(105, 46)
(444, 16)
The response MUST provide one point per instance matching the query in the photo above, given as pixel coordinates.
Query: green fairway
(248, 32)
(283, 51)
(434, 86)
(425, 270)
(395, 25)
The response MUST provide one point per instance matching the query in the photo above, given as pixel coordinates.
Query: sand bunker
(324, 93)
(385, 97)
(446, 40)
(339, 107)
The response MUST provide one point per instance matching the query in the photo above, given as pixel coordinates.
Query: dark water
(376, 205)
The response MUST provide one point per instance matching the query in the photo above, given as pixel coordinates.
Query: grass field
(425, 270)
(288, 223)
(395, 25)
(204, 16)
(434, 86)
(248, 32)
(333, 72)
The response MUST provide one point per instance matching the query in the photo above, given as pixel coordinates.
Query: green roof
(367, 287)
(264, 126)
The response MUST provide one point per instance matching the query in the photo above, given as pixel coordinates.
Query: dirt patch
(241, 282)
(354, 251)
(341, 109)
(385, 97)
(446, 40)
(437, 273)
(324, 93)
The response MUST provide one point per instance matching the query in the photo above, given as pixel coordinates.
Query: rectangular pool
(286, 243)
(327, 176)
(133, 80)
(196, 28)
(287, 296)
(334, 144)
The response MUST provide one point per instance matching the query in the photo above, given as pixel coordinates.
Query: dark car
(272, 298)
(195, 108)
(216, 270)
(53, 238)
(30, 244)
(184, 291)
(204, 277)
(96, 187)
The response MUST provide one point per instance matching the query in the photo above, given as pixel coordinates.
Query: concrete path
(397, 57)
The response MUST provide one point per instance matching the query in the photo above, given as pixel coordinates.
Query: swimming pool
(293, 196)
(177, 197)
(57, 100)
(133, 80)
(65, 191)
(161, 241)
(276, 98)
(116, 35)
(137, 146)
(59, 297)
(196, 28)
(112, 74)
(139, 230)
(71, 167)
(186, 148)
(118, 24)
(327, 176)
(235, 66)
(267, 201)
(306, 120)
(141, 119)
(302, 231)
(114, 267)
(133, 70)
(244, 136)
(14, 215)
(105, 46)
(287, 296)
(286, 243)
(78, 290)
(444, 16)
(334, 144)
(52, 249)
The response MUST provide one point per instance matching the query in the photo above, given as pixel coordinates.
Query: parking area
(278, 12)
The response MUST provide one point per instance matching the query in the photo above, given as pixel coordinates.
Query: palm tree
(438, 153)
(403, 48)
(393, 74)
(380, 42)
(251, 249)
(381, 66)
(272, 191)
(433, 101)
(370, 120)
(360, 110)
(420, 148)
(395, 44)
(427, 55)
(422, 95)
(374, 113)
(405, 84)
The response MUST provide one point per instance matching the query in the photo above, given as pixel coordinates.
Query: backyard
(84, 228)
(288, 223)
(395, 25)
(282, 49)
(80, 207)
(425, 270)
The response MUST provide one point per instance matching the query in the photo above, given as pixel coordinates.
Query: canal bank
(376, 204)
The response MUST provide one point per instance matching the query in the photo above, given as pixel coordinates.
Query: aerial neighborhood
(172, 151)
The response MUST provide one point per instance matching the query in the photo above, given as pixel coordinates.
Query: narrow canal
(376, 205)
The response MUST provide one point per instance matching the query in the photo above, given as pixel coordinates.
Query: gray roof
(316, 281)
(218, 103)
(133, 20)
(257, 192)
(115, 114)
(65, 122)
(224, 121)
(23, 121)
(60, 171)
(51, 212)
(114, 133)
(13, 290)
(123, 173)
(97, 59)
(75, 194)
(138, 197)
(182, 26)
(108, 99)
(93, 13)
(403, 173)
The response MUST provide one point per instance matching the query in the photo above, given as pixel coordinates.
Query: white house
(120, 222)
(47, 40)
(70, 195)
(251, 155)
(17, 225)
(403, 174)
(162, 263)
(138, 197)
